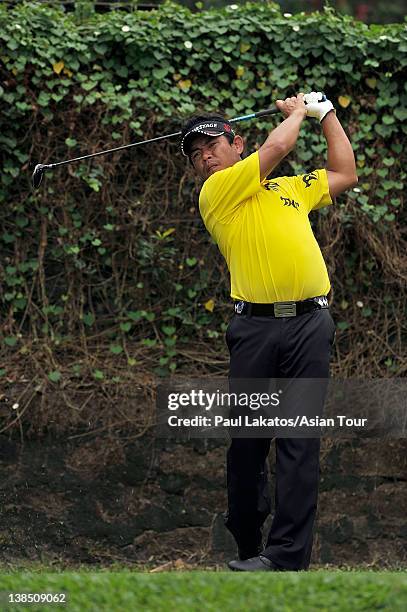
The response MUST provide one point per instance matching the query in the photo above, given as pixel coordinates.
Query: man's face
(209, 154)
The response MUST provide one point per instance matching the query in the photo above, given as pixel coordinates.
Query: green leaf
(400, 113)
(55, 376)
(134, 315)
(149, 342)
(125, 327)
(388, 119)
(71, 142)
(89, 85)
(43, 99)
(173, 312)
(89, 319)
(8, 238)
(215, 66)
(21, 222)
(98, 375)
(10, 340)
(160, 73)
(116, 349)
(122, 71)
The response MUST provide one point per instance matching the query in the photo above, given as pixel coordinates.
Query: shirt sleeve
(226, 190)
(313, 189)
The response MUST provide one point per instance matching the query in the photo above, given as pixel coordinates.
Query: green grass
(206, 591)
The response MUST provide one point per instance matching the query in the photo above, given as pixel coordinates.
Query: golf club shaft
(269, 111)
(262, 113)
(134, 144)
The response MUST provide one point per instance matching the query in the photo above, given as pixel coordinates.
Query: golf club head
(37, 175)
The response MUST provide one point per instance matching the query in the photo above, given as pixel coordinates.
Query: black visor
(208, 128)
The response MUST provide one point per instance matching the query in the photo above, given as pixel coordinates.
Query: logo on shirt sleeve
(288, 202)
(271, 186)
(307, 178)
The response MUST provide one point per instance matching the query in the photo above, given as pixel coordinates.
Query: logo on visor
(227, 127)
(203, 126)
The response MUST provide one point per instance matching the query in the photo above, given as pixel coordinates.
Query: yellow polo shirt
(263, 231)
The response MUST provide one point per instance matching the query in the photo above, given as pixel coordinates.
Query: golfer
(282, 327)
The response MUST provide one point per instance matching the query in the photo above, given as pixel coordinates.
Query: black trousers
(265, 347)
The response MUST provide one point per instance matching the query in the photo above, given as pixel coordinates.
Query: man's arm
(283, 138)
(341, 166)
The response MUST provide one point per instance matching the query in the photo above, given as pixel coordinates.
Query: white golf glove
(315, 107)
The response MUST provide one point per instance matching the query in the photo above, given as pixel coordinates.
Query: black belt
(281, 309)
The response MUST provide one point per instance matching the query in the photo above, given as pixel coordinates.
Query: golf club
(40, 169)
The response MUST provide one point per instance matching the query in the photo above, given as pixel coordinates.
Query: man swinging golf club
(282, 327)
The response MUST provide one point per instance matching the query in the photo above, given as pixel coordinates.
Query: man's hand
(292, 105)
(316, 109)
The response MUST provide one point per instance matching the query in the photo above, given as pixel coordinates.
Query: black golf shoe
(254, 564)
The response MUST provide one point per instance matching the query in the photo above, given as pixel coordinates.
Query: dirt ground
(157, 504)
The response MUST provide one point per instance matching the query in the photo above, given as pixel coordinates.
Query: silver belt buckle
(285, 309)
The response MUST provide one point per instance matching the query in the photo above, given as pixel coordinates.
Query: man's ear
(238, 143)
